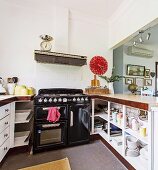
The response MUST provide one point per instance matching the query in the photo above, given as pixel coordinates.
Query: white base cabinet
(5, 131)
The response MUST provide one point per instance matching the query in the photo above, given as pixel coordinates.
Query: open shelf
(118, 148)
(23, 116)
(137, 135)
(137, 162)
(21, 138)
(116, 124)
(102, 115)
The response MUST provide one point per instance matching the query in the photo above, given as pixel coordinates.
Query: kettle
(2, 89)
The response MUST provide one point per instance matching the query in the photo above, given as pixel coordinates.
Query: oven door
(79, 124)
(41, 112)
(50, 135)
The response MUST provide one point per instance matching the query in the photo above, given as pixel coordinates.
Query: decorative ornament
(152, 74)
(98, 66)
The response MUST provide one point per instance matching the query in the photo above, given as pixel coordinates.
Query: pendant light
(140, 38)
(148, 36)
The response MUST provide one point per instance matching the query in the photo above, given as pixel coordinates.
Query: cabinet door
(4, 135)
(4, 111)
(4, 123)
(79, 124)
(4, 149)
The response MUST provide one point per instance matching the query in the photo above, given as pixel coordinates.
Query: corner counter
(12, 113)
(136, 101)
(5, 99)
(125, 102)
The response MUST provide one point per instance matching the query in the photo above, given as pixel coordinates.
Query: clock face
(98, 65)
(45, 46)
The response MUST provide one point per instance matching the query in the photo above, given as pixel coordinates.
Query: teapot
(2, 89)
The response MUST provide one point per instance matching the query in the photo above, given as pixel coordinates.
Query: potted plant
(114, 77)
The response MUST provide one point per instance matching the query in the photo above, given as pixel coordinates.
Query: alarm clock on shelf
(46, 43)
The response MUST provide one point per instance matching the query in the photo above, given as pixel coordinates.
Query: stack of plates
(132, 153)
(132, 147)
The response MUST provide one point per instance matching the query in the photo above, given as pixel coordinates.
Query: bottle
(135, 125)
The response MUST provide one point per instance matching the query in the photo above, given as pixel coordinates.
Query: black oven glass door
(51, 134)
(41, 112)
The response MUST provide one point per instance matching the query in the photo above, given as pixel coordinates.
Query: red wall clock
(98, 65)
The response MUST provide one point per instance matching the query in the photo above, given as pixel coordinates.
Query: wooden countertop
(137, 101)
(5, 99)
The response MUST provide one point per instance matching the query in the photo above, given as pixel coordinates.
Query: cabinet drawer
(4, 149)
(4, 123)
(4, 111)
(4, 135)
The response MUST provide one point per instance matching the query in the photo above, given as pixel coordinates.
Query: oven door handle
(47, 108)
(71, 118)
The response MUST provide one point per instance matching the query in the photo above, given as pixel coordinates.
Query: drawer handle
(6, 123)
(5, 135)
(6, 110)
(5, 148)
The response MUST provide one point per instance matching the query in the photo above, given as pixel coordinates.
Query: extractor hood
(60, 58)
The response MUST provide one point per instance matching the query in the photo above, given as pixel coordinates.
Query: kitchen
(83, 34)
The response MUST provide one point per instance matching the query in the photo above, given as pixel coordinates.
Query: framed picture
(129, 80)
(147, 82)
(139, 82)
(135, 70)
(147, 73)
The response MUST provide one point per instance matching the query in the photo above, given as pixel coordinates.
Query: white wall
(129, 18)
(19, 37)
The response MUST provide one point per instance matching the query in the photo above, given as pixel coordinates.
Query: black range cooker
(73, 127)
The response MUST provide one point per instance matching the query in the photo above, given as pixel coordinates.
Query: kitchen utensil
(114, 116)
(142, 131)
(131, 142)
(15, 79)
(11, 88)
(132, 153)
(9, 80)
(2, 89)
(135, 125)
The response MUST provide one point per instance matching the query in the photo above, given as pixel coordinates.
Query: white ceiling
(98, 8)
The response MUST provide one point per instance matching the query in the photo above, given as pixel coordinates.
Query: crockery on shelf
(142, 131)
(132, 153)
(131, 142)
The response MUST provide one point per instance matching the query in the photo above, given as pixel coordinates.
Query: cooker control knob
(39, 100)
(86, 99)
(74, 99)
(82, 99)
(64, 99)
(78, 99)
(55, 100)
(60, 100)
(50, 100)
(45, 100)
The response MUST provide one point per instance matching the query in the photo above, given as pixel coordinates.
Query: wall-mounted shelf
(60, 58)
